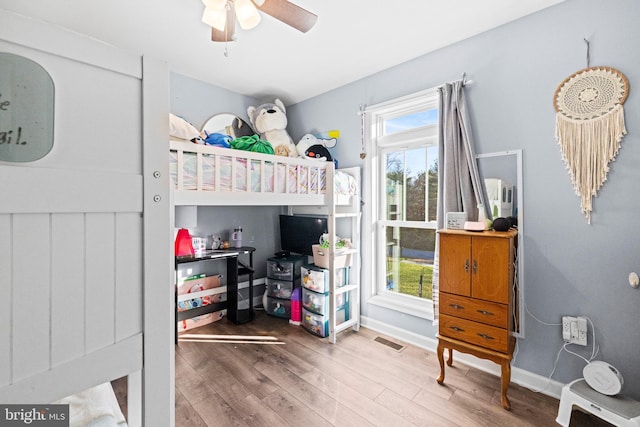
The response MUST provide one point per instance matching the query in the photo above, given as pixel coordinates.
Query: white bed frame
(293, 195)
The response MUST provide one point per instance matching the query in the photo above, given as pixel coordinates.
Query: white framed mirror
(504, 170)
(227, 124)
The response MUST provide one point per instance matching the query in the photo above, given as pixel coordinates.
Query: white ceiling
(352, 39)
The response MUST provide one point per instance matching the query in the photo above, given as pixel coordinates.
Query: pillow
(180, 128)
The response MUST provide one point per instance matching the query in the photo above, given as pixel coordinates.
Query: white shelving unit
(341, 214)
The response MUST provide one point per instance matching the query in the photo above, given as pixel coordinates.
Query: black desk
(240, 310)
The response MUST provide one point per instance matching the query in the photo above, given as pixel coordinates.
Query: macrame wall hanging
(590, 127)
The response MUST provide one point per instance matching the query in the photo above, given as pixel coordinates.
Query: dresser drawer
(475, 333)
(490, 313)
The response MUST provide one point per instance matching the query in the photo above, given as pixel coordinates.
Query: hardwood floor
(307, 381)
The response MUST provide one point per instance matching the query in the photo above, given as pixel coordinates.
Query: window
(404, 176)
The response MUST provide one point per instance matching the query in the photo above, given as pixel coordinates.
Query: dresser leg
(450, 358)
(505, 379)
(440, 353)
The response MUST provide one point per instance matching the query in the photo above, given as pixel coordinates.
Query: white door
(74, 262)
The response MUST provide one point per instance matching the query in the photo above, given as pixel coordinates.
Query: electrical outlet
(582, 331)
(566, 327)
(574, 330)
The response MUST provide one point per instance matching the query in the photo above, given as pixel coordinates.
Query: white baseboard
(519, 376)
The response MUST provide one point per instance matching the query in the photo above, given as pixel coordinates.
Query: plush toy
(216, 242)
(217, 139)
(305, 142)
(318, 151)
(281, 150)
(239, 128)
(312, 147)
(270, 122)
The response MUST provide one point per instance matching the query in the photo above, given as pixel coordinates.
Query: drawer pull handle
(475, 266)
(456, 306)
(485, 312)
(466, 266)
(486, 337)
(457, 329)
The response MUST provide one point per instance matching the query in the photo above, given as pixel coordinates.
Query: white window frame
(376, 220)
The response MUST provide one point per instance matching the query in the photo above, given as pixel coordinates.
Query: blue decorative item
(329, 139)
(218, 140)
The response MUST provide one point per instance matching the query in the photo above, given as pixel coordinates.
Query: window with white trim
(404, 175)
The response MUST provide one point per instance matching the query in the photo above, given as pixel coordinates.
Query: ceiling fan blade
(228, 35)
(287, 12)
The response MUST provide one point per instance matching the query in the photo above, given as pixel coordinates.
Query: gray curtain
(459, 185)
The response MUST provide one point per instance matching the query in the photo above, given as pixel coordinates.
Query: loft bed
(206, 175)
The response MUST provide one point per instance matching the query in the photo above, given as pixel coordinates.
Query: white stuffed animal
(312, 147)
(270, 122)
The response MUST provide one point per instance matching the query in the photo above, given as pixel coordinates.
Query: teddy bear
(269, 120)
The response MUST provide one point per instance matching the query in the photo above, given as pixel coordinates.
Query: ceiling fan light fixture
(215, 4)
(215, 18)
(247, 14)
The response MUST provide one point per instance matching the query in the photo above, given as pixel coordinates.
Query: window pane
(409, 265)
(395, 185)
(411, 184)
(410, 121)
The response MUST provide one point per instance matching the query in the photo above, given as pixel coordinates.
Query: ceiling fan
(221, 15)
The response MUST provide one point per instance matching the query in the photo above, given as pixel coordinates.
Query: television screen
(298, 233)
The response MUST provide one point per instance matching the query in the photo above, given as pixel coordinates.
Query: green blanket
(252, 143)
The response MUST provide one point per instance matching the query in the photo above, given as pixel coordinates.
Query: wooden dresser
(477, 297)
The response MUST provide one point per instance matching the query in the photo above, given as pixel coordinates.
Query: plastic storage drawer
(287, 268)
(318, 324)
(278, 307)
(317, 278)
(281, 288)
(319, 302)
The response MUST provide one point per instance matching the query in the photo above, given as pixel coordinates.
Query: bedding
(95, 407)
(180, 129)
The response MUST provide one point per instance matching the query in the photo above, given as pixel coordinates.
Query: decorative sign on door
(26, 109)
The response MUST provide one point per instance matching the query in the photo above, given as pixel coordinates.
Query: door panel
(454, 273)
(491, 269)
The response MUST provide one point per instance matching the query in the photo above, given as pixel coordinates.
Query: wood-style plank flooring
(359, 381)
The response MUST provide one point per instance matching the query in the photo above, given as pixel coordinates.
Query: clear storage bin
(286, 268)
(319, 302)
(278, 307)
(281, 288)
(317, 279)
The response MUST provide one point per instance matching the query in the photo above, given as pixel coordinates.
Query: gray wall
(571, 267)
(196, 101)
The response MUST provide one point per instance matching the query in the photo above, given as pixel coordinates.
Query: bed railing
(243, 177)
